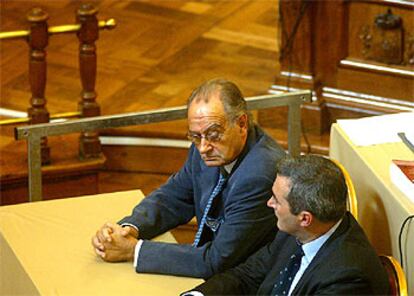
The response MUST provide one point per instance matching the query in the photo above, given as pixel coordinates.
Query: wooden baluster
(38, 40)
(89, 145)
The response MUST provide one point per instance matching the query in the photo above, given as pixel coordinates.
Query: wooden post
(38, 40)
(89, 144)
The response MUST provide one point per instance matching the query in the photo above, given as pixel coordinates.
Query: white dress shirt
(310, 250)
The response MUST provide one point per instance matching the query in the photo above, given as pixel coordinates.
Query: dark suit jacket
(246, 223)
(345, 265)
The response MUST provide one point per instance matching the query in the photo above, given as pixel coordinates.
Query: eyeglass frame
(196, 138)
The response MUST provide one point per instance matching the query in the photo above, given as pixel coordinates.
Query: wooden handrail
(87, 30)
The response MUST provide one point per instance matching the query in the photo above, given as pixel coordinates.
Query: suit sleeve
(345, 282)
(167, 207)
(248, 225)
(246, 278)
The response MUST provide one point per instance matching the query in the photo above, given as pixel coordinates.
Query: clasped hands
(114, 243)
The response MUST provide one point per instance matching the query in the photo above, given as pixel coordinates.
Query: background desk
(45, 248)
(382, 207)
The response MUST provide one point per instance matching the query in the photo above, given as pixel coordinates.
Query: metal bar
(107, 24)
(294, 129)
(145, 117)
(285, 99)
(34, 133)
(101, 122)
(34, 167)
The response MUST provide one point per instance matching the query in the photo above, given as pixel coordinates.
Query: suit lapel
(328, 247)
(207, 180)
(280, 257)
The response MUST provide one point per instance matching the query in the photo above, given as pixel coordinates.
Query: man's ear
(306, 218)
(243, 121)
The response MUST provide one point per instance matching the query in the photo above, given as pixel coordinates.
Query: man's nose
(204, 146)
(270, 202)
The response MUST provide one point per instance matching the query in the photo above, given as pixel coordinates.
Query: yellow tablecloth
(45, 249)
(382, 207)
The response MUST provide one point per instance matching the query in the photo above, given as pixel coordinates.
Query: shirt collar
(310, 249)
(229, 167)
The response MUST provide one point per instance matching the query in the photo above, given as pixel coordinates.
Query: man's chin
(280, 227)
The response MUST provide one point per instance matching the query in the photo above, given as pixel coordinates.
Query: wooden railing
(34, 133)
(37, 37)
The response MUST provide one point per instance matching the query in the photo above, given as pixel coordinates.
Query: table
(45, 248)
(382, 207)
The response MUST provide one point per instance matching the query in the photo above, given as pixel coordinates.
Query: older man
(319, 249)
(224, 182)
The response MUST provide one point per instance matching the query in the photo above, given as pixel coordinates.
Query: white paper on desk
(378, 129)
(402, 181)
(410, 136)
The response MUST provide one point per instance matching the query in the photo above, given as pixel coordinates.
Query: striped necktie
(216, 191)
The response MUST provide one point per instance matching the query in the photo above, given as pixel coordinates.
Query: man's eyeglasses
(211, 136)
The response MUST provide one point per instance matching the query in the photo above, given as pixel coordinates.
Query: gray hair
(317, 185)
(230, 95)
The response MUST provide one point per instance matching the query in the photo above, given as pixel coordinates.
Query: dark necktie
(216, 191)
(287, 274)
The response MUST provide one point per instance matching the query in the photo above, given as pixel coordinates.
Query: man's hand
(129, 230)
(114, 243)
(102, 235)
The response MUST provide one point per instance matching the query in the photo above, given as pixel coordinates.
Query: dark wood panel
(67, 176)
(366, 36)
(112, 181)
(369, 82)
(57, 186)
(148, 159)
(352, 62)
